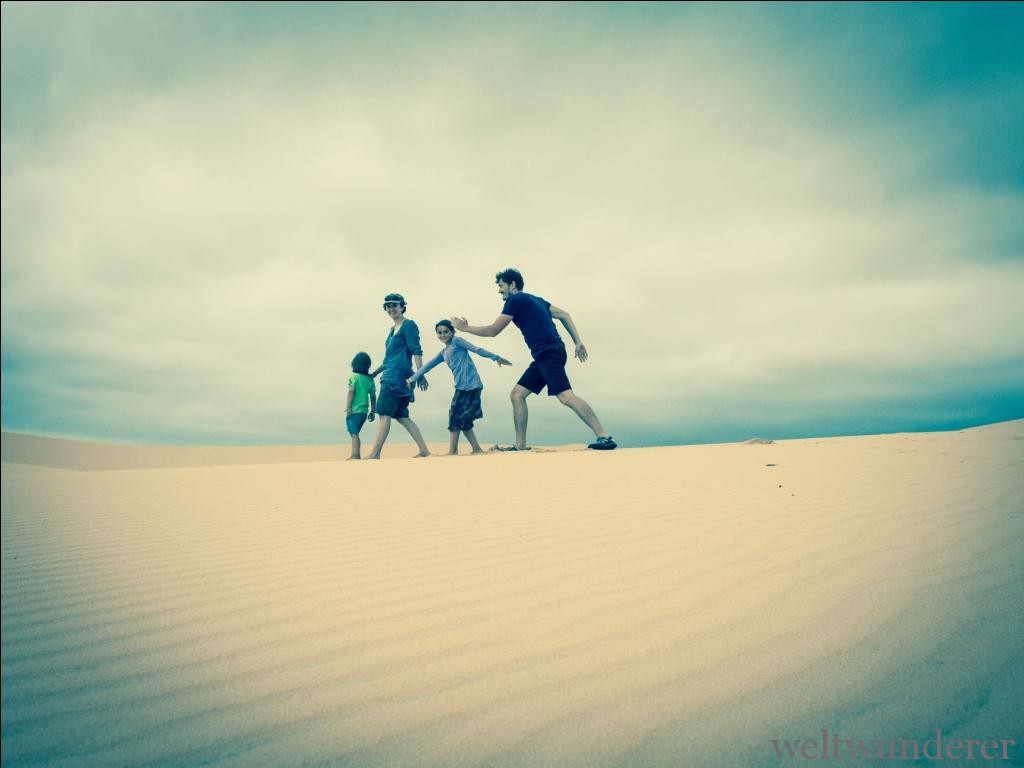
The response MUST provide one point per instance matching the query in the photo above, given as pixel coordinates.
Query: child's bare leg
(356, 446)
(383, 427)
(453, 443)
(472, 440)
(414, 431)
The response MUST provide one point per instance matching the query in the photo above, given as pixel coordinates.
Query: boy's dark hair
(447, 324)
(361, 363)
(510, 276)
(396, 297)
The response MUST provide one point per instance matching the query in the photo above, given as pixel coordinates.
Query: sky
(772, 221)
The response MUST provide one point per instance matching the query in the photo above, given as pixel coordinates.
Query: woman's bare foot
(421, 455)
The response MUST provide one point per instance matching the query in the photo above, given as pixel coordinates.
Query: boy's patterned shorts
(465, 409)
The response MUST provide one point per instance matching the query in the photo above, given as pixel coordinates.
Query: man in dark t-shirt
(535, 318)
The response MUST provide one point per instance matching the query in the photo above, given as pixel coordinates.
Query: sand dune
(77, 454)
(649, 607)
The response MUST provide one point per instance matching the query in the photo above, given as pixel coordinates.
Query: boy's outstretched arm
(423, 370)
(493, 329)
(566, 319)
(418, 362)
(468, 345)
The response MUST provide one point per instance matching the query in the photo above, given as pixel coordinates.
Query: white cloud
(218, 248)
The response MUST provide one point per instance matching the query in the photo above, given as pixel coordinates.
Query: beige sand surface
(650, 607)
(77, 454)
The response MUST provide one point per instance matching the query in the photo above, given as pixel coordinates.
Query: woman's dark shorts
(547, 369)
(465, 409)
(355, 422)
(389, 405)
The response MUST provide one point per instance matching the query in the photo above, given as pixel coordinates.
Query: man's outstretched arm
(493, 329)
(566, 319)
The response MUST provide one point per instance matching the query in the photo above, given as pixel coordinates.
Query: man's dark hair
(361, 363)
(447, 324)
(510, 276)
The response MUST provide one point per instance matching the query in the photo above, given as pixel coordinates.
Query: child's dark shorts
(465, 409)
(547, 369)
(355, 422)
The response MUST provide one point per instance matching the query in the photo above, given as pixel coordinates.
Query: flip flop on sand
(510, 448)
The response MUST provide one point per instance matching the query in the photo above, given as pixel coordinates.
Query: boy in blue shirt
(465, 407)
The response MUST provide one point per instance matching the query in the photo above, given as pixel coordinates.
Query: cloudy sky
(767, 221)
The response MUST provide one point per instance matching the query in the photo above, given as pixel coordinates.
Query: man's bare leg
(520, 414)
(582, 409)
(453, 443)
(383, 428)
(414, 431)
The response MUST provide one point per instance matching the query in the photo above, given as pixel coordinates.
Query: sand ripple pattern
(649, 607)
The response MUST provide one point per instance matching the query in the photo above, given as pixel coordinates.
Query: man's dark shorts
(547, 369)
(465, 409)
(389, 405)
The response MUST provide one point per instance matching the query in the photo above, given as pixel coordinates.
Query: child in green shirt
(361, 390)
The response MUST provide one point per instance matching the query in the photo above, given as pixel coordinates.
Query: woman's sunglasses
(390, 304)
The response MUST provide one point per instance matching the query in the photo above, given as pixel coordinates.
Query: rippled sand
(649, 607)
